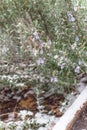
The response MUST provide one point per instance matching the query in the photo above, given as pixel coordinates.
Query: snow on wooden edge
(70, 116)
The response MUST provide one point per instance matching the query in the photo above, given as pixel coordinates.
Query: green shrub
(50, 34)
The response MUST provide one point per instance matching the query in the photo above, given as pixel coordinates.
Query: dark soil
(81, 122)
(12, 101)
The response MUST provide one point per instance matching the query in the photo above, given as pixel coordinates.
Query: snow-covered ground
(40, 121)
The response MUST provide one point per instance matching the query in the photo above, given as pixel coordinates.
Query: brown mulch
(81, 122)
(52, 104)
(17, 99)
(12, 101)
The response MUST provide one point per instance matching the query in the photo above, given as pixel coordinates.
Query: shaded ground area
(26, 99)
(81, 122)
(16, 99)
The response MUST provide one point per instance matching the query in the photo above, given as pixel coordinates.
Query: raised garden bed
(68, 120)
(81, 122)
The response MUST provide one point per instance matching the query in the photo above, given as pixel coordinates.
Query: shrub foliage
(49, 33)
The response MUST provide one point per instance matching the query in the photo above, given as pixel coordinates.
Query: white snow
(24, 113)
(39, 118)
